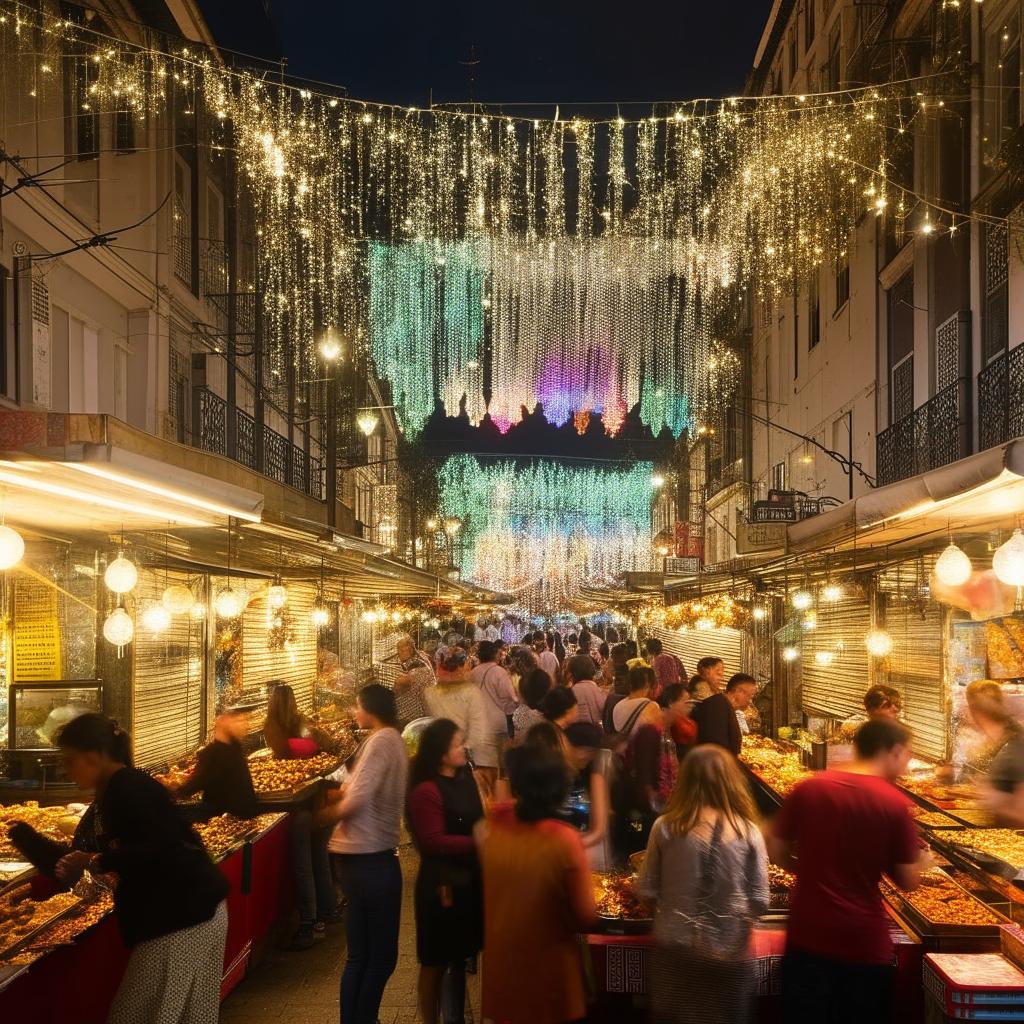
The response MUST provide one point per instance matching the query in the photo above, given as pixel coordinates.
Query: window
(996, 270)
(124, 131)
(780, 476)
(901, 347)
(82, 122)
(842, 281)
(809, 26)
(1002, 81)
(182, 221)
(813, 312)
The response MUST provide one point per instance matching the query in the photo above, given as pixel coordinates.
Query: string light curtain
(590, 255)
(540, 530)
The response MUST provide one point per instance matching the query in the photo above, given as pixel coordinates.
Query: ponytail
(97, 734)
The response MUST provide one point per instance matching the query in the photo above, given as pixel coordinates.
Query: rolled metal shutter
(693, 644)
(915, 669)
(168, 682)
(836, 690)
(295, 664)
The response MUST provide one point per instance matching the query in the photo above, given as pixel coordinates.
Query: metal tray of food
(620, 909)
(944, 894)
(15, 937)
(997, 851)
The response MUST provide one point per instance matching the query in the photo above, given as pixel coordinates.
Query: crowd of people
(535, 765)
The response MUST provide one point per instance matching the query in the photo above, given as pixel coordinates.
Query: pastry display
(1001, 843)
(777, 766)
(54, 823)
(20, 916)
(616, 897)
(271, 775)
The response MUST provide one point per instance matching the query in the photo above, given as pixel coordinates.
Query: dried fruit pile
(270, 775)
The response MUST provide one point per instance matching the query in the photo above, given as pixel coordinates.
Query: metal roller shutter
(295, 664)
(915, 669)
(693, 644)
(836, 690)
(167, 687)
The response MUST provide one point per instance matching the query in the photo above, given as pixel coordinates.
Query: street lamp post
(330, 350)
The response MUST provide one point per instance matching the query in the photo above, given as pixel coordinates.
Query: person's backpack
(616, 739)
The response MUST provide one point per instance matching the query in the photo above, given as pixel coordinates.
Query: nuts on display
(52, 822)
(270, 775)
(616, 897)
(1001, 843)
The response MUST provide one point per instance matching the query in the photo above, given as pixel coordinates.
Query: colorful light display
(539, 531)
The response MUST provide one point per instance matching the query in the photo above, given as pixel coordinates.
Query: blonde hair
(709, 778)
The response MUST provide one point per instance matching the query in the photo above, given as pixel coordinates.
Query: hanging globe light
(878, 643)
(802, 600)
(177, 599)
(277, 595)
(369, 616)
(320, 615)
(759, 614)
(155, 618)
(230, 603)
(12, 547)
(953, 567)
(118, 628)
(832, 593)
(1008, 561)
(790, 654)
(121, 575)
(367, 421)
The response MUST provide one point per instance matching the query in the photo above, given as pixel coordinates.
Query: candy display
(778, 766)
(21, 917)
(67, 929)
(1001, 843)
(271, 775)
(55, 823)
(616, 897)
(932, 819)
(939, 900)
(225, 833)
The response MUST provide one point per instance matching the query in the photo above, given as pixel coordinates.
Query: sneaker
(319, 930)
(302, 939)
(336, 916)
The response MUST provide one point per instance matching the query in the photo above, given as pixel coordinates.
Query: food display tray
(924, 926)
(944, 839)
(29, 937)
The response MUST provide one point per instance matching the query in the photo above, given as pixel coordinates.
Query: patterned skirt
(689, 989)
(175, 979)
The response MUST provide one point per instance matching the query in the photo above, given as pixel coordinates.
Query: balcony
(933, 435)
(258, 448)
(1001, 399)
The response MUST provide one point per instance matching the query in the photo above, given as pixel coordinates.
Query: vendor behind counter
(221, 773)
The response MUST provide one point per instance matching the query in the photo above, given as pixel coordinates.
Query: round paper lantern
(230, 603)
(1008, 561)
(802, 600)
(177, 599)
(953, 567)
(156, 618)
(118, 629)
(121, 575)
(277, 595)
(759, 613)
(878, 643)
(833, 592)
(790, 654)
(12, 547)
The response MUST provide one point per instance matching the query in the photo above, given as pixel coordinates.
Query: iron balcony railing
(933, 435)
(261, 449)
(1001, 399)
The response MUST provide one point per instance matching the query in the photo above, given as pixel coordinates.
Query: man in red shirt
(846, 828)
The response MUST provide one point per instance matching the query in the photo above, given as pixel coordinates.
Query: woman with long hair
(169, 898)
(538, 895)
(1005, 792)
(444, 807)
(707, 871)
(532, 691)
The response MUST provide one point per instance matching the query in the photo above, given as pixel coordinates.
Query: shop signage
(36, 646)
(682, 566)
(755, 537)
(769, 512)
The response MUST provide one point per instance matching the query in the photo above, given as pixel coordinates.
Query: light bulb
(319, 616)
(833, 592)
(277, 595)
(370, 616)
(118, 628)
(330, 348)
(230, 603)
(824, 657)
(953, 567)
(121, 575)
(878, 643)
(433, 524)
(657, 481)
(790, 654)
(396, 616)
(802, 600)
(12, 547)
(1008, 561)
(177, 599)
(156, 618)
(367, 421)
(759, 614)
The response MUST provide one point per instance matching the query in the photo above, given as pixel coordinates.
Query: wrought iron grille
(315, 482)
(211, 421)
(995, 326)
(1001, 399)
(298, 469)
(245, 438)
(275, 455)
(934, 435)
(182, 251)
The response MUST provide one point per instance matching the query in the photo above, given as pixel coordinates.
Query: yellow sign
(36, 631)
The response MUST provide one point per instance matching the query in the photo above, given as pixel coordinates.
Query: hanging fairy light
(832, 592)
(118, 629)
(12, 548)
(277, 595)
(230, 602)
(953, 567)
(198, 611)
(320, 615)
(367, 421)
(759, 613)
(802, 600)
(790, 654)
(121, 575)
(878, 643)
(155, 617)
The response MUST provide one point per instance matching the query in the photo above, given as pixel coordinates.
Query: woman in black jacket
(169, 897)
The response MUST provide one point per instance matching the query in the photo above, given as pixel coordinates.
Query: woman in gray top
(707, 871)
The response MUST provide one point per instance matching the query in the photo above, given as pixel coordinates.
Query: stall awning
(974, 494)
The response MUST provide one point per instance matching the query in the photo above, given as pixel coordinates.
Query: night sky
(563, 51)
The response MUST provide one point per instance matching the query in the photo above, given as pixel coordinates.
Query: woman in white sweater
(459, 699)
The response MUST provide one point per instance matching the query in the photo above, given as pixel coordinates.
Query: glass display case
(39, 710)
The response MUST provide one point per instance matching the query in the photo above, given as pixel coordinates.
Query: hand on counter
(71, 866)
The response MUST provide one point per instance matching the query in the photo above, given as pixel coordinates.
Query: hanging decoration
(12, 547)
(639, 234)
(118, 629)
(121, 575)
(542, 529)
(719, 611)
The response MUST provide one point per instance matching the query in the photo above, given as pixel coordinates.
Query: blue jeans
(372, 884)
(314, 887)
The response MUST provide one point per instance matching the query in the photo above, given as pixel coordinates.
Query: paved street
(302, 988)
